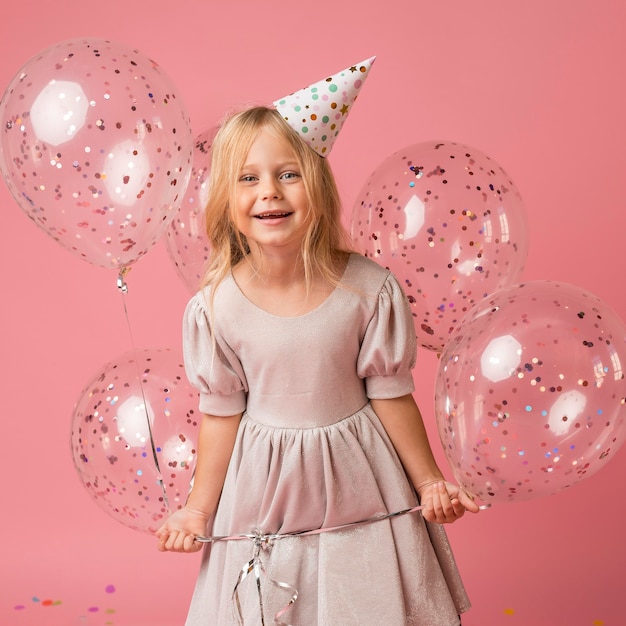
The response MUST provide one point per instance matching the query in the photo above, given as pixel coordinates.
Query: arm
(443, 501)
(216, 440)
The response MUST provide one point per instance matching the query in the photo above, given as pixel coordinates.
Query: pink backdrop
(536, 85)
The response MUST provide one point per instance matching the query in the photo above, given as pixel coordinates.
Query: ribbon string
(265, 541)
(123, 288)
(255, 564)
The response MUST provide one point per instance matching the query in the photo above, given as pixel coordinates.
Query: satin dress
(310, 454)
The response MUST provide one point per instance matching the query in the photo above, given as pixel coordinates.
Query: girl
(302, 352)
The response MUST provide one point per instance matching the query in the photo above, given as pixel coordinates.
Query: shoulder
(225, 288)
(364, 273)
(212, 297)
(364, 265)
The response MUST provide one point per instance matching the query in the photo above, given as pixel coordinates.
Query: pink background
(537, 85)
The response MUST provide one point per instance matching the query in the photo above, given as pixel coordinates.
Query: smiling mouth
(272, 216)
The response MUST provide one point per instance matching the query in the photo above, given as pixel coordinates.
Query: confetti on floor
(37, 601)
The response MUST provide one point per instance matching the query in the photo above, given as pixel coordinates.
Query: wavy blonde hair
(325, 241)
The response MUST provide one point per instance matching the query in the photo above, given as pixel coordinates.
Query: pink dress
(311, 453)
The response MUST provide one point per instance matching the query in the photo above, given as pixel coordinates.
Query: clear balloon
(530, 391)
(187, 243)
(134, 435)
(96, 148)
(450, 224)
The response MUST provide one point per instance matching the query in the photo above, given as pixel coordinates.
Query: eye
(290, 175)
(247, 178)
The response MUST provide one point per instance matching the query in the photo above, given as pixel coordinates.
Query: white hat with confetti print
(318, 112)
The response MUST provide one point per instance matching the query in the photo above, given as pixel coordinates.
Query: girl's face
(271, 204)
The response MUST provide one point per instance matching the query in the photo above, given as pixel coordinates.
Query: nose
(270, 190)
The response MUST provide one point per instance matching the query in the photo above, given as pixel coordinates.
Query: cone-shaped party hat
(318, 112)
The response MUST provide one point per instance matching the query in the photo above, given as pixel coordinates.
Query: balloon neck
(121, 279)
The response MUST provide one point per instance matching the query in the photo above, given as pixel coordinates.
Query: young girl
(302, 352)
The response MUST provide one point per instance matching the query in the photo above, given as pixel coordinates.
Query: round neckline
(321, 305)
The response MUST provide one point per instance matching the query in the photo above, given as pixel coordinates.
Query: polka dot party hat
(318, 112)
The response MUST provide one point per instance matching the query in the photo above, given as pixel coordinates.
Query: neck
(276, 269)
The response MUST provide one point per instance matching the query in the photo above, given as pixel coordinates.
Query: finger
(197, 546)
(454, 502)
(162, 537)
(467, 500)
(174, 541)
(164, 544)
(458, 508)
(190, 545)
(182, 541)
(442, 505)
(186, 542)
(435, 504)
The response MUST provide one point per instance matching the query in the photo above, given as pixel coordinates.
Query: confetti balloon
(530, 391)
(134, 434)
(449, 223)
(187, 243)
(96, 147)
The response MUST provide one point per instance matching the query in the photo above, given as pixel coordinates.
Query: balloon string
(123, 288)
(266, 541)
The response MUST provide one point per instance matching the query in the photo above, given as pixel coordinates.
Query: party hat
(318, 112)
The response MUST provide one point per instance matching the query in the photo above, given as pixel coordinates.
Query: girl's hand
(445, 502)
(179, 532)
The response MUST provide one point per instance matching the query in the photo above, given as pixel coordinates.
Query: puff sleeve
(389, 346)
(210, 364)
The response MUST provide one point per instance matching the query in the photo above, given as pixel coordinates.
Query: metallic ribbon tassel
(255, 564)
(266, 541)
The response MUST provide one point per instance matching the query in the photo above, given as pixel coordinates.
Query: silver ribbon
(265, 542)
(123, 287)
(255, 564)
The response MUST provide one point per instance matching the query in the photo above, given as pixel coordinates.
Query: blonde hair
(325, 241)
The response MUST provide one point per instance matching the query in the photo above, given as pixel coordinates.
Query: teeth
(270, 215)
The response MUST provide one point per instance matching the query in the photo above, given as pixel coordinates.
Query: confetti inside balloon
(450, 224)
(95, 147)
(187, 242)
(531, 392)
(134, 434)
